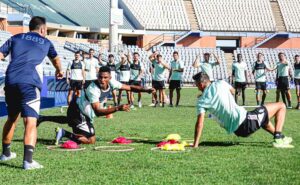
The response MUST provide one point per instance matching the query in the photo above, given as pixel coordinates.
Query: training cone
(109, 116)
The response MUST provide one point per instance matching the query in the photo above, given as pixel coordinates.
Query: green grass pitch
(221, 158)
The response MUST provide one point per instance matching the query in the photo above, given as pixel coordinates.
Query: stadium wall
(17, 29)
(282, 43)
(194, 41)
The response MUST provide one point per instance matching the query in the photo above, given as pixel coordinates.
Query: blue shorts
(24, 99)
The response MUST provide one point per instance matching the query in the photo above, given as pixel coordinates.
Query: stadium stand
(4, 36)
(270, 56)
(290, 11)
(235, 15)
(160, 15)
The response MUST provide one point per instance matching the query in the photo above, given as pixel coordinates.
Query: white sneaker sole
(283, 146)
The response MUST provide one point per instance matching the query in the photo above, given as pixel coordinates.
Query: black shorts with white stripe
(254, 120)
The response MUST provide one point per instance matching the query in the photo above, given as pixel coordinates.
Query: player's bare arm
(196, 62)
(57, 64)
(102, 112)
(198, 129)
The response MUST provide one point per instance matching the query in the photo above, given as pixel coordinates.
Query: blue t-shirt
(27, 51)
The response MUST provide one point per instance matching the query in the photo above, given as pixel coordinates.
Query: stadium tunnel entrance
(228, 45)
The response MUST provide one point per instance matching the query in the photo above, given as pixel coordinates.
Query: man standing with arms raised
(23, 85)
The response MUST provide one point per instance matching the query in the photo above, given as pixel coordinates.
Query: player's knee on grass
(85, 140)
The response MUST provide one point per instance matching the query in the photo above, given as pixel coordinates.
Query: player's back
(28, 51)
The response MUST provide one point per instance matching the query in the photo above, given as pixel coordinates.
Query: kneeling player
(217, 98)
(81, 113)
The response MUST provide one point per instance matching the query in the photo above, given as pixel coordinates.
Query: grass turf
(221, 158)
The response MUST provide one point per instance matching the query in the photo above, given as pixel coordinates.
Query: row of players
(131, 72)
(83, 72)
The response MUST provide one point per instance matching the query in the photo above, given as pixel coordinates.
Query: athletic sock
(55, 119)
(28, 152)
(289, 103)
(6, 149)
(71, 136)
(257, 102)
(278, 135)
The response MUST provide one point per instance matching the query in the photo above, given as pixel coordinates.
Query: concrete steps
(191, 14)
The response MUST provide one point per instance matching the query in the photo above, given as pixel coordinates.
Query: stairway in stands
(280, 26)
(229, 59)
(191, 14)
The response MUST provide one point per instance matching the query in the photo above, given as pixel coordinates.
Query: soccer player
(175, 77)
(239, 73)
(76, 69)
(217, 98)
(158, 80)
(297, 79)
(91, 68)
(82, 112)
(207, 66)
(136, 72)
(259, 70)
(23, 85)
(282, 80)
(112, 65)
(124, 67)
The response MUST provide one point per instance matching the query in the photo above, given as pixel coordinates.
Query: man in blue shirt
(23, 84)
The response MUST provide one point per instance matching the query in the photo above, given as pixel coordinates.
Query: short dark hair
(136, 53)
(104, 69)
(36, 22)
(206, 54)
(77, 52)
(239, 54)
(159, 55)
(260, 54)
(175, 52)
(111, 55)
(201, 77)
(281, 53)
(296, 56)
(91, 50)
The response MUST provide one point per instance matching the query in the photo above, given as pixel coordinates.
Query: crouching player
(217, 98)
(81, 112)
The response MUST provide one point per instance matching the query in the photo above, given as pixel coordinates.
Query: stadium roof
(88, 13)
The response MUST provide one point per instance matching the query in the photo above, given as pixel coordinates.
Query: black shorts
(137, 83)
(87, 83)
(283, 83)
(126, 83)
(75, 85)
(80, 123)
(240, 85)
(254, 120)
(297, 81)
(175, 84)
(261, 86)
(158, 85)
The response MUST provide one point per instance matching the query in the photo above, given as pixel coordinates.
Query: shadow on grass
(10, 166)
(218, 143)
(227, 144)
(39, 141)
